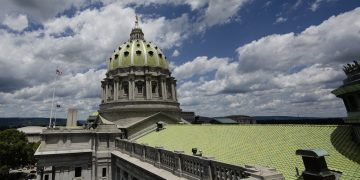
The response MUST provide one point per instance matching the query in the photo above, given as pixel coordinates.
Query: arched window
(126, 53)
(116, 56)
(138, 52)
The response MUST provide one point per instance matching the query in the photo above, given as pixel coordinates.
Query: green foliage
(15, 150)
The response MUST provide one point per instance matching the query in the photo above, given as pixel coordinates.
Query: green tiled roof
(138, 53)
(266, 145)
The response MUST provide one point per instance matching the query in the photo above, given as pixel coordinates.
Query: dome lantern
(136, 32)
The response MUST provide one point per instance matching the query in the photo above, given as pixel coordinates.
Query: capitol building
(139, 133)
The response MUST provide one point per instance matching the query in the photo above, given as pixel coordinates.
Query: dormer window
(119, 48)
(160, 55)
(126, 53)
(138, 45)
(110, 59)
(116, 56)
(138, 52)
(156, 47)
(151, 53)
(148, 45)
(127, 46)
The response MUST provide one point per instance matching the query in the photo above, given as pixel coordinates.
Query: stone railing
(193, 167)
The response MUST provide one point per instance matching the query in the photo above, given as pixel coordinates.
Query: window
(127, 46)
(138, 52)
(126, 53)
(78, 172)
(119, 48)
(160, 55)
(104, 172)
(153, 87)
(46, 177)
(125, 86)
(116, 56)
(138, 45)
(148, 45)
(139, 86)
(151, 53)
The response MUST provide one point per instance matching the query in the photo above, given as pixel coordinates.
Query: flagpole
(55, 116)
(53, 96)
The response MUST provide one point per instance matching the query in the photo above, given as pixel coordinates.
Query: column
(131, 88)
(163, 88)
(147, 88)
(114, 90)
(173, 90)
(106, 92)
(117, 89)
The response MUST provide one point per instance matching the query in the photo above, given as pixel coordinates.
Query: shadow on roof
(342, 141)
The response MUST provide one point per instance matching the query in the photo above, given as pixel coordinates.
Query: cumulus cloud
(199, 66)
(220, 12)
(16, 22)
(280, 74)
(325, 44)
(75, 45)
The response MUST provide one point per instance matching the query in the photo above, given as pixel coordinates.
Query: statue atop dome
(136, 32)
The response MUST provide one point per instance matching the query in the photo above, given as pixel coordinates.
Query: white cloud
(176, 53)
(199, 66)
(74, 44)
(280, 20)
(315, 5)
(325, 44)
(16, 22)
(220, 12)
(288, 74)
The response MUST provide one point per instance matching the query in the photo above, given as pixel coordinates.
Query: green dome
(137, 52)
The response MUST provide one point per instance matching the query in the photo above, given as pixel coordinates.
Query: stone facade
(76, 153)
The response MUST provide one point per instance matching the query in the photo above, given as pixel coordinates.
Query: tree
(15, 150)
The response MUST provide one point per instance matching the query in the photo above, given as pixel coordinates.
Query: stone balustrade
(193, 167)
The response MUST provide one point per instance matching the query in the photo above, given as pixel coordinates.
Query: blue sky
(250, 57)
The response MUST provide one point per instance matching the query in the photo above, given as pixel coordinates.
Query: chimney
(315, 164)
(71, 117)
